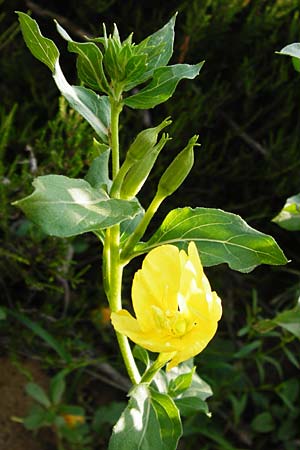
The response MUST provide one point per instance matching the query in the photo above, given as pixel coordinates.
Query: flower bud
(178, 170)
(145, 141)
(139, 172)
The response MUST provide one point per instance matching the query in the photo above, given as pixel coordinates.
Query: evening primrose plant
(176, 311)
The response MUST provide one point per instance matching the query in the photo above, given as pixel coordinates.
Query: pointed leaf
(97, 175)
(289, 216)
(65, 207)
(57, 387)
(37, 392)
(89, 62)
(292, 50)
(150, 421)
(221, 237)
(162, 86)
(158, 47)
(289, 320)
(42, 48)
(95, 109)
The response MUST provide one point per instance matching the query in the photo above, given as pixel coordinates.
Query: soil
(15, 403)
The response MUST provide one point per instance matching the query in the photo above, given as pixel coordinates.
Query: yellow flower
(176, 311)
(73, 421)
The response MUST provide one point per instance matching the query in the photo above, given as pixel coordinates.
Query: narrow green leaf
(289, 216)
(66, 207)
(3, 314)
(150, 421)
(221, 237)
(37, 393)
(42, 48)
(163, 85)
(43, 334)
(57, 387)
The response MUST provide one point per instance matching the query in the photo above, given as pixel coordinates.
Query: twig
(74, 29)
(245, 136)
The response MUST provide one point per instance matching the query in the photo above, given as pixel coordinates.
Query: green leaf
(162, 86)
(57, 387)
(37, 393)
(43, 334)
(289, 216)
(150, 421)
(42, 48)
(289, 320)
(98, 173)
(94, 109)
(193, 398)
(142, 354)
(107, 414)
(190, 405)
(181, 383)
(36, 418)
(221, 237)
(3, 314)
(292, 50)
(158, 47)
(66, 207)
(263, 423)
(89, 62)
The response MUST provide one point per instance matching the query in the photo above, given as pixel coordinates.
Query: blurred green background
(245, 107)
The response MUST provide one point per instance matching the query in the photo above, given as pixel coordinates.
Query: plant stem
(113, 268)
(116, 108)
(141, 228)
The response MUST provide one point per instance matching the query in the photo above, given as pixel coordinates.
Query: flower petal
(154, 340)
(193, 343)
(156, 283)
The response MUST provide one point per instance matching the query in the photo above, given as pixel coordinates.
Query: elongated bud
(145, 141)
(139, 172)
(178, 170)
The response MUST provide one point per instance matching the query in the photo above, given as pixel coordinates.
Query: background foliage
(245, 106)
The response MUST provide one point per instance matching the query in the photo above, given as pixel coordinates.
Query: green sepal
(220, 236)
(178, 170)
(66, 207)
